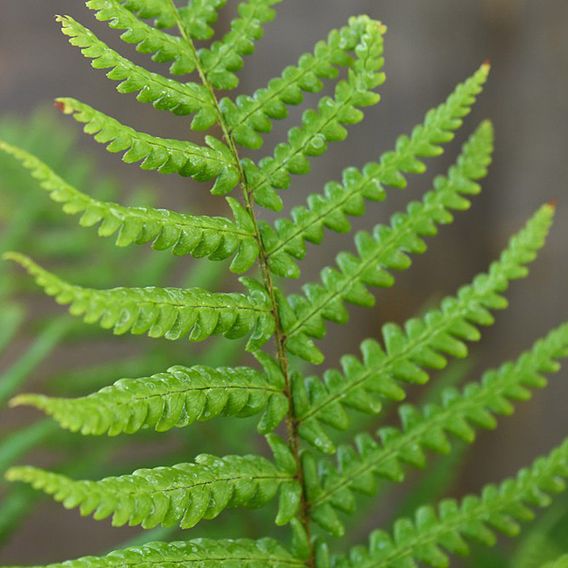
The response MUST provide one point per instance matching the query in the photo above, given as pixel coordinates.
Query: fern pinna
(297, 415)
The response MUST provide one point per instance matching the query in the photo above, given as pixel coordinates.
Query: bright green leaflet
(313, 491)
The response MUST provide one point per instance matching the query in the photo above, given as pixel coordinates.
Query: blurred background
(430, 47)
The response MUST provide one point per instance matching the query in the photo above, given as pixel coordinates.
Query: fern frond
(180, 495)
(433, 531)
(424, 343)
(171, 313)
(19, 443)
(215, 237)
(286, 241)
(388, 247)
(224, 57)
(248, 117)
(163, 155)
(203, 552)
(165, 48)
(175, 399)
(50, 337)
(459, 413)
(12, 318)
(561, 562)
(323, 125)
(163, 93)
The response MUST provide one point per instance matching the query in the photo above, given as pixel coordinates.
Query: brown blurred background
(430, 47)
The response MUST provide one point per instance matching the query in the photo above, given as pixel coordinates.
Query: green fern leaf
(286, 241)
(175, 399)
(215, 237)
(248, 117)
(163, 93)
(223, 58)
(180, 495)
(424, 343)
(323, 125)
(436, 530)
(427, 428)
(311, 489)
(163, 155)
(203, 552)
(163, 312)
(165, 48)
(388, 247)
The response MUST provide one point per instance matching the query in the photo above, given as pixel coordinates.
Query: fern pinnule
(171, 313)
(197, 16)
(167, 156)
(174, 399)
(424, 343)
(162, 92)
(160, 11)
(426, 428)
(286, 241)
(200, 236)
